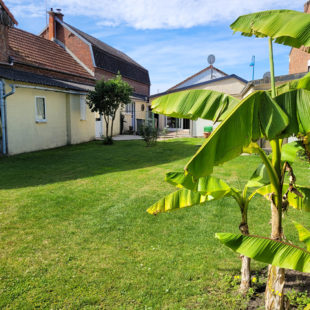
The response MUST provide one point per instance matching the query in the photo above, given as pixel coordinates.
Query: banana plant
(273, 115)
(204, 190)
(278, 253)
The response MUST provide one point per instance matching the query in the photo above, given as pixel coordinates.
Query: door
(98, 127)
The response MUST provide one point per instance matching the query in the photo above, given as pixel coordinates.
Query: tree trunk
(106, 126)
(245, 261)
(274, 297)
(245, 274)
(112, 127)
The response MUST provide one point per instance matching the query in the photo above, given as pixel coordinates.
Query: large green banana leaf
(289, 153)
(296, 105)
(304, 234)
(193, 193)
(285, 26)
(255, 116)
(180, 199)
(294, 200)
(194, 104)
(268, 251)
(209, 185)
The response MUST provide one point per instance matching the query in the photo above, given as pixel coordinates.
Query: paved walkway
(127, 137)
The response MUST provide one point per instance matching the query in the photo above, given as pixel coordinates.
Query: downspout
(3, 96)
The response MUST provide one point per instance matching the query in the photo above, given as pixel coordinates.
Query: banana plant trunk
(276, 276)
(274, 297)
(245, 261)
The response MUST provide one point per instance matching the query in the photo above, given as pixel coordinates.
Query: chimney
(307, 7)
(52, 23)
(6, 20)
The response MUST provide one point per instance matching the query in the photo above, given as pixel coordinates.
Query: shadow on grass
(88, 159)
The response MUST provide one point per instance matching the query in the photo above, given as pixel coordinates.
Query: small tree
(106, 99)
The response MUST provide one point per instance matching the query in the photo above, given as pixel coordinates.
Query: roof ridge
(8, 12)
(85, 35)
(194, 75)
(199, 84)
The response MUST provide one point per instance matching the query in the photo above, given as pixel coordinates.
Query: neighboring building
(102, 61)
(300, 58)
(209, 78)
(46, 107)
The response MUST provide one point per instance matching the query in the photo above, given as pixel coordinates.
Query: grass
(74, 232)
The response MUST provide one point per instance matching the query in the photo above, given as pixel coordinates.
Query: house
(102, 61)
(300, 58)
(44, 85)
(210, 78)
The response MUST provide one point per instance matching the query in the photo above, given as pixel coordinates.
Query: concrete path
(127, 137)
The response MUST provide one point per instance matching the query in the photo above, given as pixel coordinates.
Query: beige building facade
(209, 78)
(66, 118)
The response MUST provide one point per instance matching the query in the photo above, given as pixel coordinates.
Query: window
(40, 110)
(129, 108)
(83, 108)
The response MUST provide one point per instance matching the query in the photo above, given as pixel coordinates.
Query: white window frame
(36, 111)
(83, 108)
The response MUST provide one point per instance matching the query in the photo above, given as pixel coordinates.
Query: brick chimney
(307, 7)
(6, 20)
(52, 23)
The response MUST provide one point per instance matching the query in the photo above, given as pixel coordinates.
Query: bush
(149, 135)
(107, 141)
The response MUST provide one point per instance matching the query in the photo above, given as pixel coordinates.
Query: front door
(98, 127)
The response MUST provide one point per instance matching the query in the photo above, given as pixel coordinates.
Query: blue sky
(171, 38)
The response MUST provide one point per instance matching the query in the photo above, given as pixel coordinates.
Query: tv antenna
(211, 61)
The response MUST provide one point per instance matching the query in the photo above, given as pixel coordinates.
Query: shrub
(149, 135)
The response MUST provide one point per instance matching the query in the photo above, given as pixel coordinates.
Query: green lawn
(74, 232)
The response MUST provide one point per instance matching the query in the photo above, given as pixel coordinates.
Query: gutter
(52, 89)
(3, 96)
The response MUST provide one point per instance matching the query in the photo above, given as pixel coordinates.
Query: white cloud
(154, 14)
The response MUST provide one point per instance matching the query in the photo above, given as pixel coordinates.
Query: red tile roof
(30, 49)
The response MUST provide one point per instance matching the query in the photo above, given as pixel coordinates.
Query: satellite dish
(266, 77)
(211, 59)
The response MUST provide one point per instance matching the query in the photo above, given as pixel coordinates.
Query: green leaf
(304, 234)
(294, 200)
(259, 177)
(180, 199)
(296, 105)
(297, 202)
(289, 153)
(194, 104)
(285, 26)
(268, 251)
(255, 116)
(209, 185)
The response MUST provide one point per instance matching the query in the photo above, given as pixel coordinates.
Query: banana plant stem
(273, 85)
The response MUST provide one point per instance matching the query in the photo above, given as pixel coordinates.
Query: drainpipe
(3, 96)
